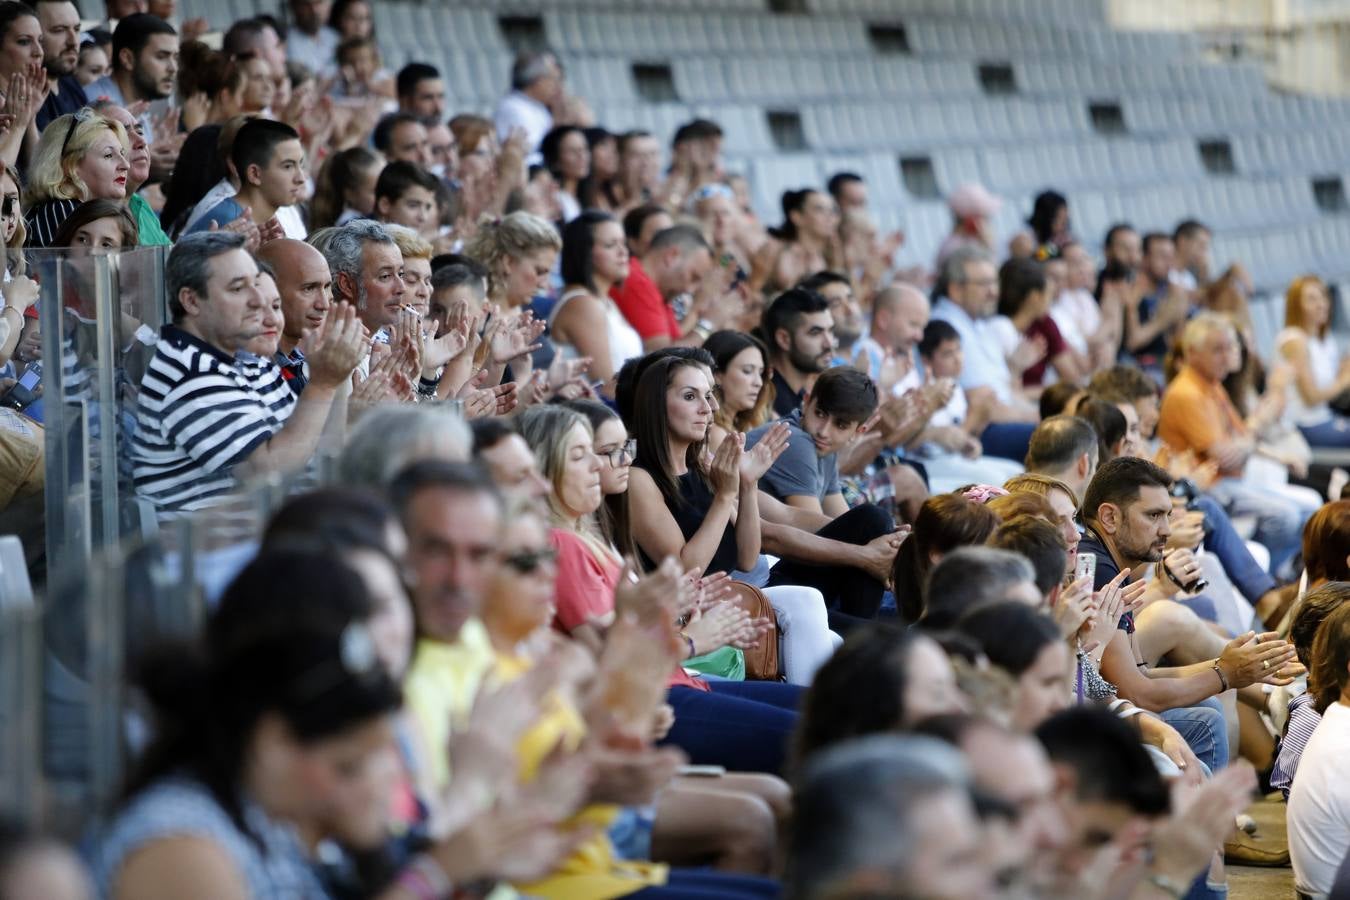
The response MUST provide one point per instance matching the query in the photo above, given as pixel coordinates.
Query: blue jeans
(745, 726)
(697, 884)
(1205, 730)
(1007, 439)
(1279, 519)
(1333, 433)
(1225, 543)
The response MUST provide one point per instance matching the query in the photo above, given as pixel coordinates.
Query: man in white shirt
(536, 86)
(310, 41)
(1319, 802)
(972, 296)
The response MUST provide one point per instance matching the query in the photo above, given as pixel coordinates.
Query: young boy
(950, 445)
(405, 194)
(270, 164)
(835, 411)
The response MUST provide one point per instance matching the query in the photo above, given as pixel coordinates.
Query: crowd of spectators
(675, 556)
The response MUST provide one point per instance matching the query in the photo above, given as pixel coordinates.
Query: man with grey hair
(391, 438)
(1197, 415)
(971, 282)
(970, 577)
(886, 816)
(367, 272)
(536, 90)
(206, 416)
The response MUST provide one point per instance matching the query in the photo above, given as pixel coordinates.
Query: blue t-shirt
(223, 213)
(800, 471)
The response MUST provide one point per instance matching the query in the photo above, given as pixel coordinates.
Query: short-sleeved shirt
(1319, 804)
(585, 585)
(270, 860)
(984, 362)
(200, 413)
(800, 471)
(642, 305)
(1197, 414)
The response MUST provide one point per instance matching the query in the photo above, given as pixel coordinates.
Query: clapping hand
(757, 461)
(336, 347)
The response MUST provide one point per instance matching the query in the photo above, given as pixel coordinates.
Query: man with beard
(60, 22)
(144, 65)
(844, 310)
(1125, 513)
(138, 171)
(799, 332)
(204, 418)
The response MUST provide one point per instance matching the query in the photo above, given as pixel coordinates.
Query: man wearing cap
(973, 209)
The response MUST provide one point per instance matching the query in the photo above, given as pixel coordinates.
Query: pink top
(584, 591)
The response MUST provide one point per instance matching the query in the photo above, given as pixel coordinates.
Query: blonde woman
(19, 292)
(445, 364)
(80, 156)
(519, 252)
(1321, 372)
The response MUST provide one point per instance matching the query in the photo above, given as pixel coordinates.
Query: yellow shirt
(591, 872)
(440, 688)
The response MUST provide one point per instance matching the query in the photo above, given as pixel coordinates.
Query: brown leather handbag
(761, 662)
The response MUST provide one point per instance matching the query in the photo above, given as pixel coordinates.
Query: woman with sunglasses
(739, 725)
(80, 156)
(20, 293)
(518, 606)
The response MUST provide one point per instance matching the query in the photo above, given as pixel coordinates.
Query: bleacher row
(865, 84)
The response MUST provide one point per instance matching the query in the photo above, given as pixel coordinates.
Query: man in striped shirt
(204, 419)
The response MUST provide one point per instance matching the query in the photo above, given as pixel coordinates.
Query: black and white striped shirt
(200, 413)
(45, 219)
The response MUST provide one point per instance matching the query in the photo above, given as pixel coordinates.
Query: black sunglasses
(7, 206)
(82, 115)
(527, 562)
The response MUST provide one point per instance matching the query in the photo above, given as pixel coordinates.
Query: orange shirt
(1196, 414)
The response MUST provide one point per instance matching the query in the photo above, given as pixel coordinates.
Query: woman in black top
(704, 511)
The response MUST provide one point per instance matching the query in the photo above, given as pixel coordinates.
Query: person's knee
(772, 790)
(872, 521)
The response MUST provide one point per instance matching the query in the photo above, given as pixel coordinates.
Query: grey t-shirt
(800, 471)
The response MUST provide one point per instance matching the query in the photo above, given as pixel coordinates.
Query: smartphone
(703, 771)
(1086, 567)
(21, 394)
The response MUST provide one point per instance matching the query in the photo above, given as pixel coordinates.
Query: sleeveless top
(624, 342)
(180, 807)
(1324, 359)
(689, 515)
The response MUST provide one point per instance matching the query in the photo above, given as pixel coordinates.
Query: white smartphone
(1086, 567)
(703, 771)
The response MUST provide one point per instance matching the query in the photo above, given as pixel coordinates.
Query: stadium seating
(1121, 138)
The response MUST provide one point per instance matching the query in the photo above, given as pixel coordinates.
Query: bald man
(306, 288)
(899, 315)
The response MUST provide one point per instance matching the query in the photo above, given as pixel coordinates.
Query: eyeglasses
(82, 115)
(624, 453)
(7, 206)
(527, 562)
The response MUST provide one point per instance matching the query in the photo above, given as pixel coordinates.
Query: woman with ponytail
(806, 243)
(280, 714)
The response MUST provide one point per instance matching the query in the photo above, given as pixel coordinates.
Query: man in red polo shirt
(674, 264)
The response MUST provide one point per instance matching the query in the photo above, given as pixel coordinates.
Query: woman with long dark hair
(804, 244)
(280, 714)
(744, 389)
(585, 322)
